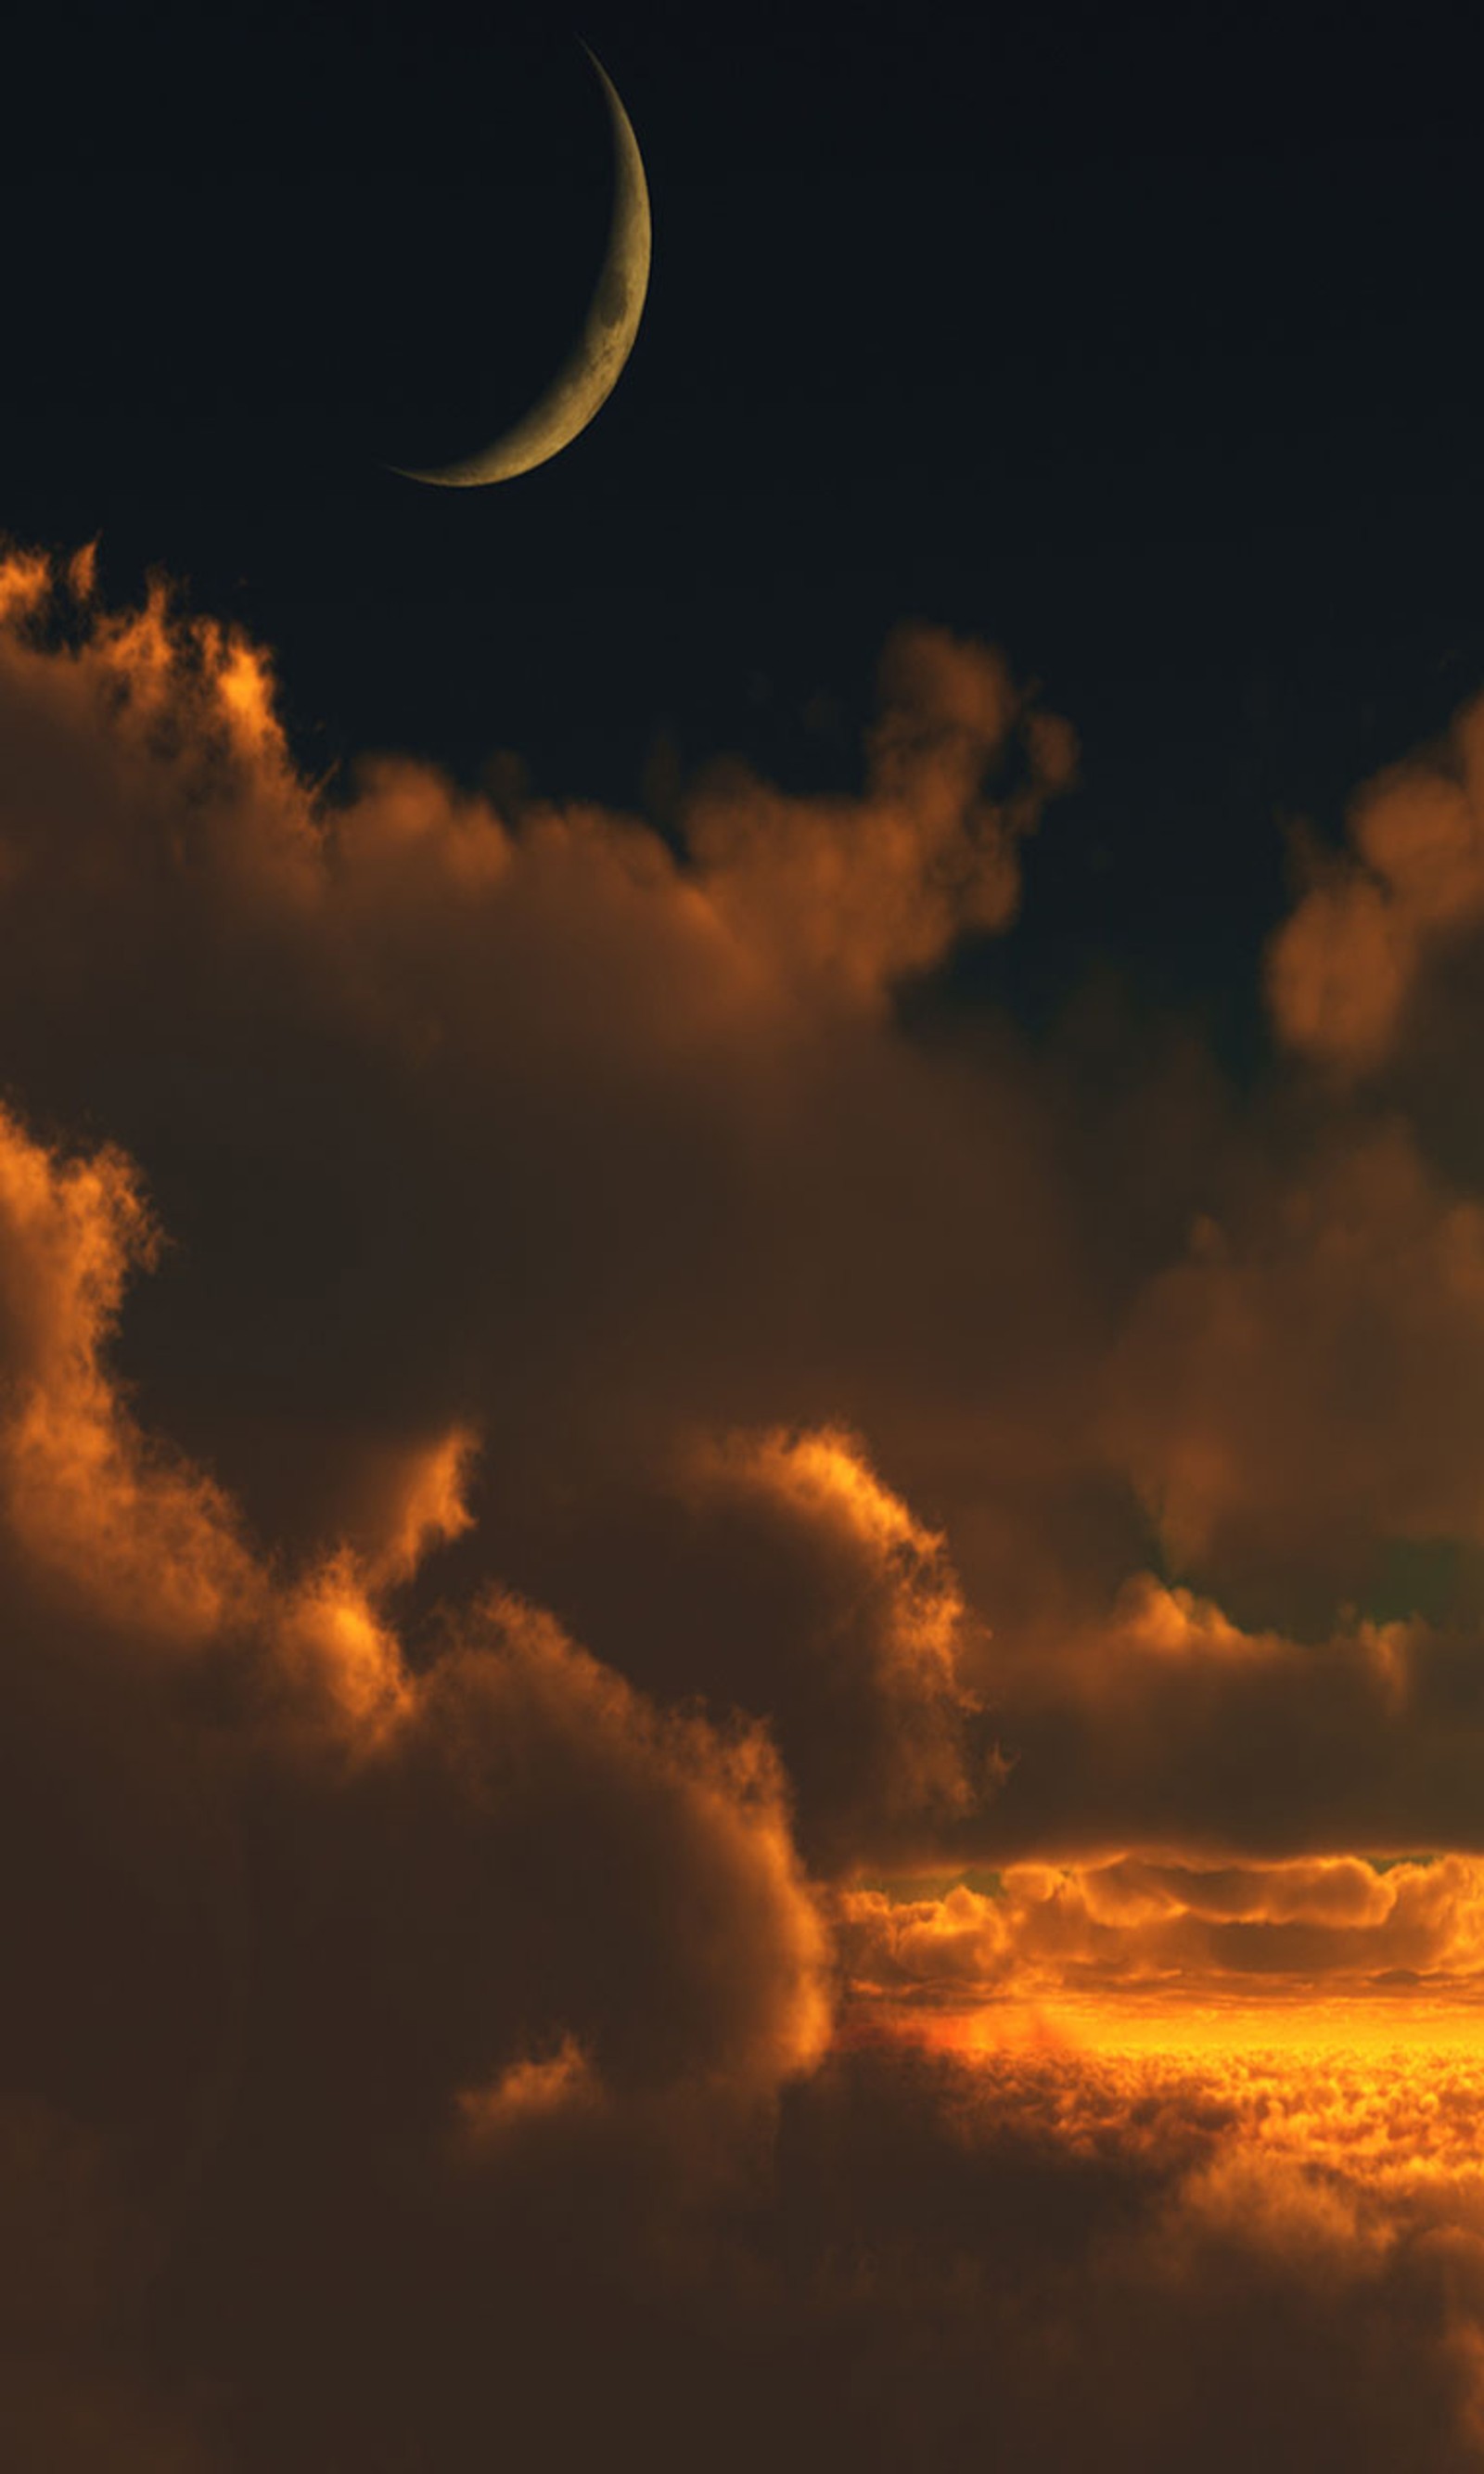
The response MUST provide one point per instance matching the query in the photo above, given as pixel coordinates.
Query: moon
(590, 372)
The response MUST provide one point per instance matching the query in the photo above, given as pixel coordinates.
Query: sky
(742, 1251)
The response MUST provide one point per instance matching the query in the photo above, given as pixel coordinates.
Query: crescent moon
(590, 372)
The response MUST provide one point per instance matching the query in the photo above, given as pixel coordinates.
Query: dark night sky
(1142, 349)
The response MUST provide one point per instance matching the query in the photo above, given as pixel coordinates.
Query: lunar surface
(592, 368)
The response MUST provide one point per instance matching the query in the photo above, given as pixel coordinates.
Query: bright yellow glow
(1377, 2099)
(1396, 2030)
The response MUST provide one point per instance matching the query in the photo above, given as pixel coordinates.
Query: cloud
(682, 1649)
(852, 893)
(106, 1519)
(1343, 971)
(1165, 1725)
(1294, 1399)
(775, 1571)
(1296, 1930)
(1157, 2259)
(573, 1226)
(281, 1903)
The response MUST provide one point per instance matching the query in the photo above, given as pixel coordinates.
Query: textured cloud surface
(725, 1726)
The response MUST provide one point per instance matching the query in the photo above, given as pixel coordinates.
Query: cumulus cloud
(570, 1223)
(1301, 1929)
(642, 1607)
(281, 1906)
(1343, 970)
(1148, 2260)
(1306, 1380)
(1164, 1724)
(855, 892)
(773, 1570)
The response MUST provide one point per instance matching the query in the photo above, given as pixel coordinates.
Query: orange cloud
(86, 1498)
(1296, 1931)
(1343, 968)
(855, 892)
(852, 1645)
(530, 2091)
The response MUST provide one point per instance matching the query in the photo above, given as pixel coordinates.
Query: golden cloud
(1296, 1930)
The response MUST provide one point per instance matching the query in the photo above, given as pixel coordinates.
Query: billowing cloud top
(710, 1706)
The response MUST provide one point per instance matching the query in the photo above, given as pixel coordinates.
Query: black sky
(1143, 347)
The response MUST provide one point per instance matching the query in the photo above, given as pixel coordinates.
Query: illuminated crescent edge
(590, 372)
